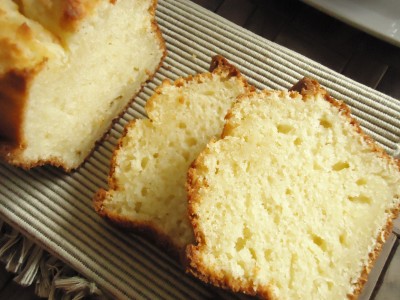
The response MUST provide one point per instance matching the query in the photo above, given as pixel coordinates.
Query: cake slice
(67, 69)
(294, 201)
(148, 174)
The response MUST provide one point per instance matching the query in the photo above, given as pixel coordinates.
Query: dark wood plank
(390, 83)
(15, 291)
(266, 21)
(5, 277)
(365, 69)
(288, 8)
(379, 51)
(327, 31)
(237, 11)
(293, 39)
(209, 4)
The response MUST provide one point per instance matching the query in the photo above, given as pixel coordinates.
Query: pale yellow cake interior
(291, 200)
(86, 76)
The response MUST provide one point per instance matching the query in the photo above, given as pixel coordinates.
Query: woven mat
(54, 209)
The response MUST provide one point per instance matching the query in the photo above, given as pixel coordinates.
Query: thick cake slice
(148, 174)
(67, 69)
(294, 201)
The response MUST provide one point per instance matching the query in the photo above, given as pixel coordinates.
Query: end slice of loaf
(294, 201)
(148, 174)
(67, 69)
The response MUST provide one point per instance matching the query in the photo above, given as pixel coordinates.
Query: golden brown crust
(219, 66)
(58, 16)
(373, 256)
(157, 31)
(307, 88)
(220, 62)
(146, 229)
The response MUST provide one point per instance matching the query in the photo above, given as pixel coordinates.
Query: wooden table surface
(326, 40)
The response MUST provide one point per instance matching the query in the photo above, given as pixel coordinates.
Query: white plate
(379, 18)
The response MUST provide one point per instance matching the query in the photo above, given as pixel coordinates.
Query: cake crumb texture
(67, 69)
(147, 180)
(294, 201)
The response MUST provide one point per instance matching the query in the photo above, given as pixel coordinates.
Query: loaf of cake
(294, 201)
(148, 174)
(67, 69)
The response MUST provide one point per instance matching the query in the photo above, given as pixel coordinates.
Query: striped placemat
(54, 209)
